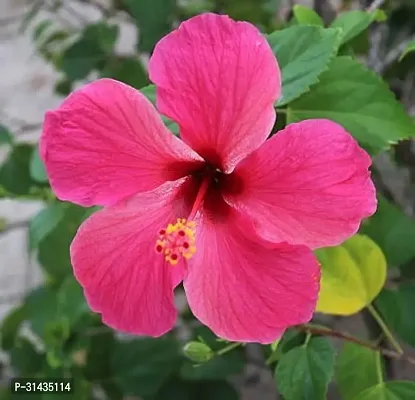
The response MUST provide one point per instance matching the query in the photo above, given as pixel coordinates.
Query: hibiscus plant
(213, 200)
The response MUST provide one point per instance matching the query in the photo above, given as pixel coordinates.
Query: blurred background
(47, 49)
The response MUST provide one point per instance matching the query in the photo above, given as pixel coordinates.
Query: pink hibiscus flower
(231, 214)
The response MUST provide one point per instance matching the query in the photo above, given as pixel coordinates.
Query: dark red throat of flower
(178, 240)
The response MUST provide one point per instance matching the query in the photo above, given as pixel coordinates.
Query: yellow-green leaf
(352, 276)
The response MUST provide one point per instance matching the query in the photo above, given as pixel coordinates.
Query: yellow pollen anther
(177, 240)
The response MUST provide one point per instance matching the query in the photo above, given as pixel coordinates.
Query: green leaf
(37, 168)
(99, 353)
(393, 231)
(53, 252)
(396, 390)
(353, 274)
(41, 28)
(150, 92)
(217, 368)
(6, 136)
(14, 173)
(129, 70)
(84, 55)
(153, 18)
(289, 340)
(356, 98)
(41, 309)
(25, 358)
(303, 53)
(63, 87)
(71, 302)
(396, 306)
(45, 222)
(141, 366)
(50, 44)
(11, 325)
(183, 390)
(307, 16)
(353, 23)
(409, 49)
(357, 369)
(305, 372)
(56, 333)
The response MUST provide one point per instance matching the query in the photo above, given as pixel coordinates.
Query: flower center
(178, 240)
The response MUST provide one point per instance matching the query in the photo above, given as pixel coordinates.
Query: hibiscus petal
(114, 259)
(309, 184)
(218, 79)
(245, 289)
(107, 142)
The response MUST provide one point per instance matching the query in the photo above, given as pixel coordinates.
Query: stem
(385, 329)
(228, 348)
(379, 371)
(281, 110)
(375, 5)
(316, 330)
(307, 339)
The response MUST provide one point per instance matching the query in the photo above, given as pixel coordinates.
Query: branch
(395, 53)
(322, 331)
(27, 127)
(375, 5)
(14, 225)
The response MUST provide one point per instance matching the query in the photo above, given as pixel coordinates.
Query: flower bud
(198, 352)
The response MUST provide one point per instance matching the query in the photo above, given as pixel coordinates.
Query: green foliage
(356, 98)
(14, 173)
(142, 366)
(305, 371)
(53, 249)
(6, 136)
(154, 17)
(303, 53)
(71, 303)
(398, 390)
(37, 168)
(353, 23)
(409, 49)
(357, 369)
(397, 308)
(393, 231)
(11, 325)
(218, 390)
(126, 69)
(150, 92)
(306, 16)
(41, 309)
(318, 81)
(25, 358)
(85, 54)
(45, 222)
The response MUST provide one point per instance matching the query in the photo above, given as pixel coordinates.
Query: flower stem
(385, 329)
(228, 348)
